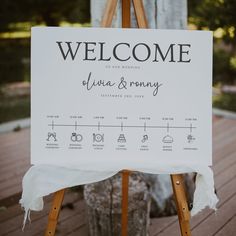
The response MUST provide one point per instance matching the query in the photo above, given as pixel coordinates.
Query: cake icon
(121, 138)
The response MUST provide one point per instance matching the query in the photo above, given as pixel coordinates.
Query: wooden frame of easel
(176, 179)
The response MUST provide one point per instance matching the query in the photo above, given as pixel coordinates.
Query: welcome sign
(120, 98)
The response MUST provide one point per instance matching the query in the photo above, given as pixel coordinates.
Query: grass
(14, 60)
(225, 101)
(14, 108)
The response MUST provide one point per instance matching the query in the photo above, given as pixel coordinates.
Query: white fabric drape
(42, 180)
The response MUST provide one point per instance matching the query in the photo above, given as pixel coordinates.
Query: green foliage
(225, 101)
(215, 14)
(224, 67)
(13, 108)
(14, 60)
(50, 12)
(20, 15)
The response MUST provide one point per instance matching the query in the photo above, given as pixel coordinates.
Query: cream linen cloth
(41, 180)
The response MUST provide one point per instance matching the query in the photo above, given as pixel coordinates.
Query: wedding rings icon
(76, 137)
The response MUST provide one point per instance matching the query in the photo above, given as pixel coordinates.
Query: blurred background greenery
(18, 16)
(220, 17)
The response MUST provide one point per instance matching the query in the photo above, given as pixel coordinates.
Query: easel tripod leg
(124, 203)
(181, 204)
(126, 16)
(126, 23)
(140, 14)
(109, 13)
(54, 212)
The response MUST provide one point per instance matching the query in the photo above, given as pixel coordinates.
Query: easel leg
(126, 23)
(140, 14)
(109, 13)
(181, 204)
(54, 212)
(126, 20)
(124, 203)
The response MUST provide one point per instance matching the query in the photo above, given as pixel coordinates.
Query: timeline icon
(98, 138)
(75, 137)
(121, 138)
(52, 136)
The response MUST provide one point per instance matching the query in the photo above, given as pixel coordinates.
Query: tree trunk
(103, 202)
(171, 14)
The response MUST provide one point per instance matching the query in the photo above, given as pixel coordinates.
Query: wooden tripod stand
(177, 179)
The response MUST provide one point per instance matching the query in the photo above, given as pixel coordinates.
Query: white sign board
(121, 98)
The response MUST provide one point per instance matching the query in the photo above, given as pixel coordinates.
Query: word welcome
(122, 84)
(140, 52)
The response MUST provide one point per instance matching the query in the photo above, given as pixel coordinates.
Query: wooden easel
(176, 179)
